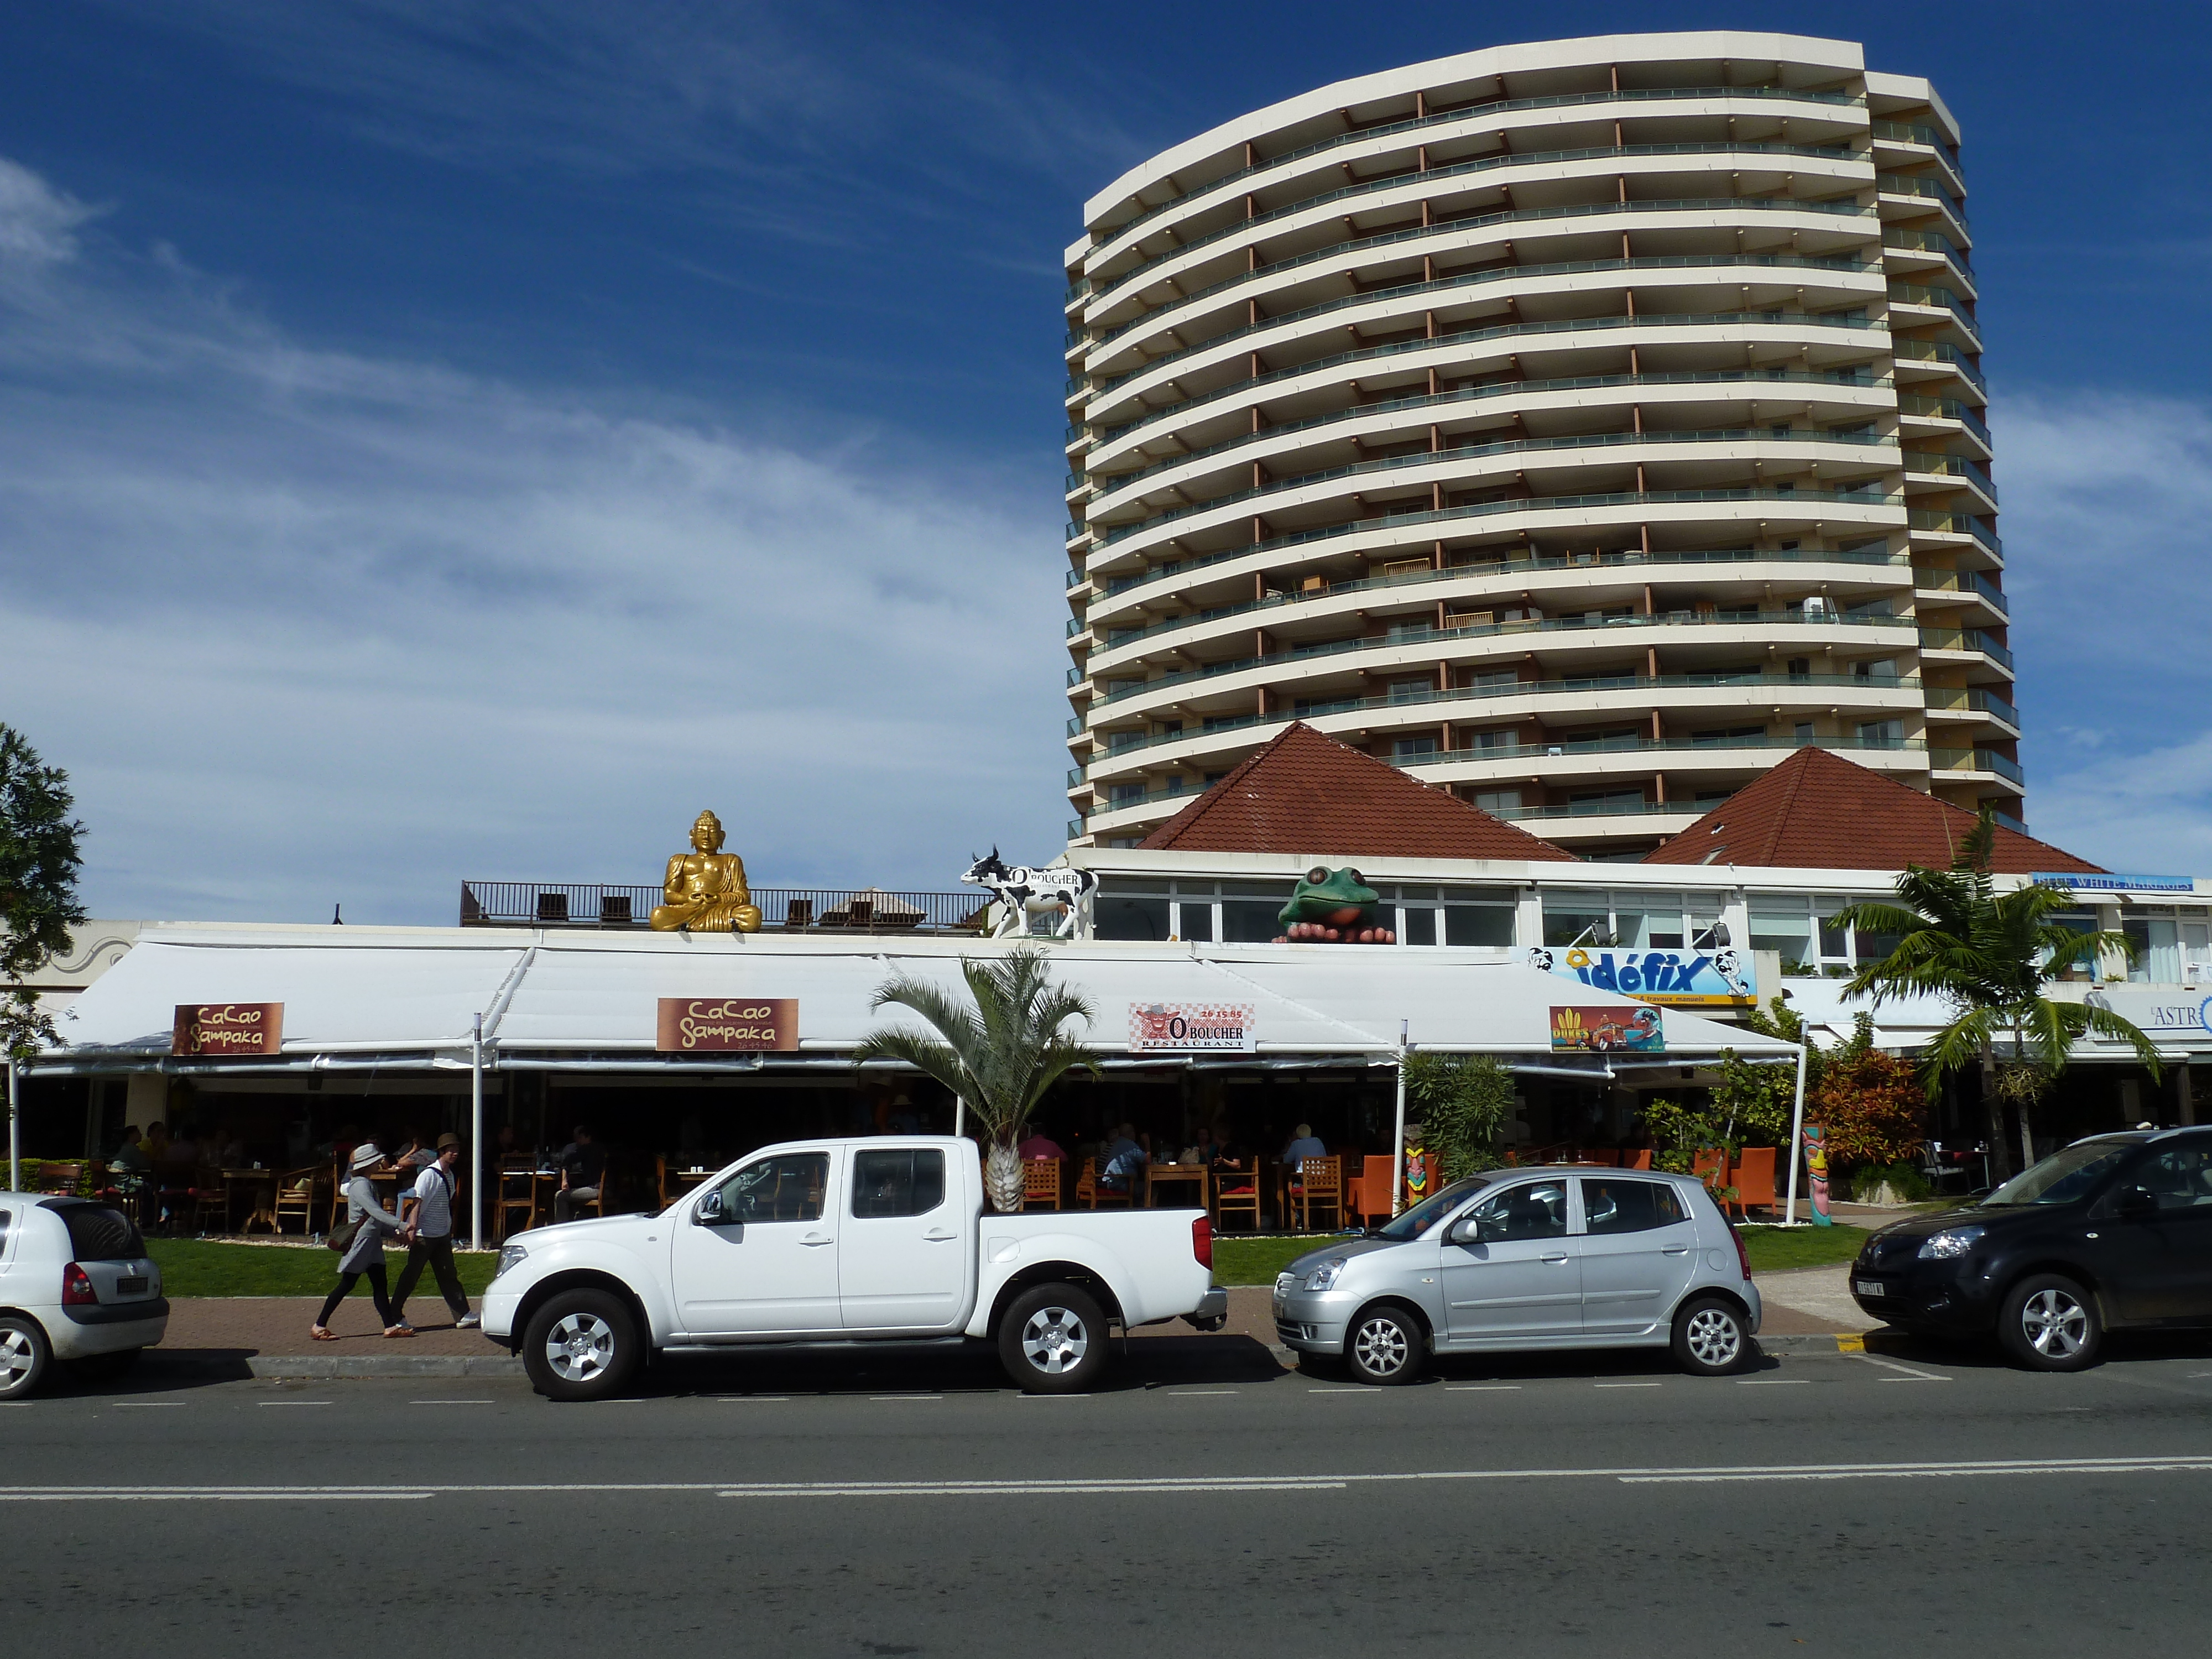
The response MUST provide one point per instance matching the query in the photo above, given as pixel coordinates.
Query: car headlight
(1941, 1247)
(510, 1255)
(1324, 1277)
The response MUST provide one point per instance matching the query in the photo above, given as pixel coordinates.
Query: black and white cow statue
(1024, 891)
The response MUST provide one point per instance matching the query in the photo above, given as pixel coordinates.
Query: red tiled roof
(1306, 792)
(1817, 811)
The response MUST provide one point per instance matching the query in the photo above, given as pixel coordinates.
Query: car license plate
(130, 1286)
(1869, 1287)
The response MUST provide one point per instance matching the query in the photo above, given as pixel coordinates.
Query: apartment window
(1115, 688)
(1489, 677)
(1802, 731)
(1881, 734)
(1124, 794)
(1501, 737)
(1728, 736)
(1574, 918)
(1411, 691)
(1498, 800)
(1406, 749)
(1802, 931)
(1593, 804)
(1126, 911)
(1801, 668)
(2157, 958)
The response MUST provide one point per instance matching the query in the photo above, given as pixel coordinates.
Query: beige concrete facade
(1584, 425)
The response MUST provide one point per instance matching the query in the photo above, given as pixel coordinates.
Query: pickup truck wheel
(1052, 1340)
(582, 1345)
(24, 1356)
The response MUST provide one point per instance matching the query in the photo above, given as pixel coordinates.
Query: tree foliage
(1754, 1103)
(1989, 956)
(38, 864)
(1873, 1105)
(1463, 1101)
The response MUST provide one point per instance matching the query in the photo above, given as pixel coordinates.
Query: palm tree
(1990, 955)
(999, 1056)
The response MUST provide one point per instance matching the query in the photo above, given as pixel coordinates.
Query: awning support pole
(15, 1129)
(476, 1136)
(1398, 1134)
(1796, 1141)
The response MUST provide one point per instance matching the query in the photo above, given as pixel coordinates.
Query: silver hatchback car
(1577, 1257)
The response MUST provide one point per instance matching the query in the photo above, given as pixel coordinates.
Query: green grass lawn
(196, 1267)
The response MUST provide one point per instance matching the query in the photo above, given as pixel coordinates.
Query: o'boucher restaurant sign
(1188, 1028)
(227, 1028)
(728, 1025)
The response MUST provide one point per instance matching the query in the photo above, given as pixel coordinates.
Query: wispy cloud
(2108, 521)
(308, 626)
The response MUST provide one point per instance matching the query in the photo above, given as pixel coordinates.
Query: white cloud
(307, 626)
(38, 223)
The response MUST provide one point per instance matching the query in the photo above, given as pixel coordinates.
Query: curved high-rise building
(1584, 426)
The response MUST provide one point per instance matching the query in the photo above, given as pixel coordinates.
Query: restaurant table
(261, 1189)
(1159, 1174)
(680, 1182)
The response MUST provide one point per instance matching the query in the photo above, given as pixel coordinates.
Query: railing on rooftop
(783, 909)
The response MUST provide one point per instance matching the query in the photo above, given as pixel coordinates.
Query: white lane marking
(156, 1495)
(1482, 1387)
(906, 1396)
(1201, 1393)
(291, 1402)
(752, 1398)
(1913, 1372)
(1052, 1396)
(143, 1404)
(1362, 1393)
(2148, 1463)
(1771, 1381)
(450, 1402)
(1632, 1385)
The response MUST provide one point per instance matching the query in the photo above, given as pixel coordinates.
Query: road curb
(316, 1366)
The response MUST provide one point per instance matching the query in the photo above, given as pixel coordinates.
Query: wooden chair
(1236, 1192)
(59, 1179)
(862, 913)
(1753, 1181)
(1041, 1184)
(210, 1193)
(1368, 1193)
(1090, 1192)
(297, 1193)
(799, 915)
(518, 1190)
(1318, 1184)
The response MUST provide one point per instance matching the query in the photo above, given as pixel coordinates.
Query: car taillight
(77, 1288)
(1201, 1243)
(1742, 1255)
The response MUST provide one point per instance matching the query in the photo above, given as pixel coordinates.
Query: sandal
(323, 1333)
(400, 1330)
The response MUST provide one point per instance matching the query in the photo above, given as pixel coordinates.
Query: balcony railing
(1951, 467)
(1964, 638)
(1955, 524)
(1813, 500)
(1119, 744)
(1466, 452)
(1934, 351)
(1984, 703)
(1184, 409)
(1437, 176)
(1963, 581)
(1945, 408)
(1484, 631)
(783, 909)
(1976, 760)
(1453, 117)
(1503, 567)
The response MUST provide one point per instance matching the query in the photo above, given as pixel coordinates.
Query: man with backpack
(430, 1211)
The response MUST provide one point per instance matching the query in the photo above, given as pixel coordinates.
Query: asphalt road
(1207, 1503)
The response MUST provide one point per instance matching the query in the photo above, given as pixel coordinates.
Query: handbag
(342, 1235)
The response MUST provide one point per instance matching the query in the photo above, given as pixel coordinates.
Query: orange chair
(1368, 1193)
(1640, 1159)
(1710, 1165)
(1090, 1192)
(1318, 1184)
(1041, 1184)
(1236, 1192)
(1753, 1181)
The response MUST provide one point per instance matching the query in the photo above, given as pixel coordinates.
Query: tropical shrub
(1462, 1102)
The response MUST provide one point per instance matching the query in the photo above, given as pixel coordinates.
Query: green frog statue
(1332, 907)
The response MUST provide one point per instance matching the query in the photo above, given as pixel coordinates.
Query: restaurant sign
(1586, 1030)
(227, 1028)
(1680, 979)
(1185, 1028)
(728, 1025)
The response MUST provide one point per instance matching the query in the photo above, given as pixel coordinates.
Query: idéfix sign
(728, 1025)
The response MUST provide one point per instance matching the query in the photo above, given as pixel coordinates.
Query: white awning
(595, 996)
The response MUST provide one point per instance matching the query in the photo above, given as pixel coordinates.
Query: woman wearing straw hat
(364, 1251)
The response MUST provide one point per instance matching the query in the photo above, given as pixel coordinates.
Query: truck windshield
(1431, 1210)
(2064, 1176)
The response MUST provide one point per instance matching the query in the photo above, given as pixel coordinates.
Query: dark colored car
(2112, 1232)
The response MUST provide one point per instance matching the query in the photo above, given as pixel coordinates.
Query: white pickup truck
(818, 1242)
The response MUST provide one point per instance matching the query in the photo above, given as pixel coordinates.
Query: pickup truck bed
(820, 1243)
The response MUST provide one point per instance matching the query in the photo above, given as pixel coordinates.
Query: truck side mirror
(707, 1213)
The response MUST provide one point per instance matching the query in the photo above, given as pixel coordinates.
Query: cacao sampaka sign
(227, 1028)
(728, 1025)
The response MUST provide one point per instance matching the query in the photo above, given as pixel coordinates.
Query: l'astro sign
(1675, 978)
(728, 1025)
(1185, 1028)
(228, 1028)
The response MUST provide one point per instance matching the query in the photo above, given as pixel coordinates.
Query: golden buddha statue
(706, 887)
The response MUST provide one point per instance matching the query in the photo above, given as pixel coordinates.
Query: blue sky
(443, 441)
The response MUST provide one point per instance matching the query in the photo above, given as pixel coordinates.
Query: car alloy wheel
(23, 1356)
(1381, 1348)
(1714, 1337)
(1054, 1339)
(2055, 1324)
(580, 1347)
